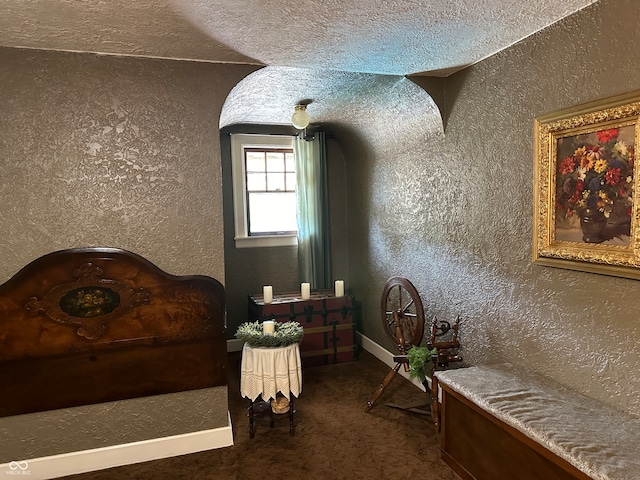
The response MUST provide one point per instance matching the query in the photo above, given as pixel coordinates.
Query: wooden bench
(503, 422)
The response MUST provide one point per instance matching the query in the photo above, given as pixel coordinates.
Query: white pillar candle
(267, 293)
(339, 290)
(305, 290)
(268, 326)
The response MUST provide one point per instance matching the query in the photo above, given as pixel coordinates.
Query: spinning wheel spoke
(408, 327)
(405, 309)
(389, 321)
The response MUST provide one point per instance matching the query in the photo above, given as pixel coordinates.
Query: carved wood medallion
(89, 302)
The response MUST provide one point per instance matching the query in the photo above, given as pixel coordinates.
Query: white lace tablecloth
(267, 371)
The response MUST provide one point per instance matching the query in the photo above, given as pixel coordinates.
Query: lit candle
(339, 288)
(268, 326)
(305, 290)
(267, 293)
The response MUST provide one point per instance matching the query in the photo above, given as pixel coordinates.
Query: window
(264, 190)
(271, 187)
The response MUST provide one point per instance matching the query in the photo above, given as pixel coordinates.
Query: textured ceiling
(348, 56)
(348, 101)
(396, 37)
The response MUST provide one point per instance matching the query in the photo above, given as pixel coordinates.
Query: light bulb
(300, 117)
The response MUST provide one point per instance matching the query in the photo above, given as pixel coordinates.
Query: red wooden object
(329, 327)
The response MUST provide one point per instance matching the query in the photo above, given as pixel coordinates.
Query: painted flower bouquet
(596, 175)
(285, 333)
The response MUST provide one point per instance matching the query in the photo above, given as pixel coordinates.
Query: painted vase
(592, 223)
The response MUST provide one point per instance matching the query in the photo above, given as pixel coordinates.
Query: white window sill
(267, 241)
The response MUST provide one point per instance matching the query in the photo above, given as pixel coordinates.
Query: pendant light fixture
(300, 117)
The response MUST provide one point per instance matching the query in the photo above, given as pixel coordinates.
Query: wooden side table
(264, 373)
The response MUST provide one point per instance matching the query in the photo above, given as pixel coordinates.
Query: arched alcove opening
(374, 123)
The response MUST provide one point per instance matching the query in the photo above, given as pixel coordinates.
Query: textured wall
(88, 427)
(454, 213)
(118, 152)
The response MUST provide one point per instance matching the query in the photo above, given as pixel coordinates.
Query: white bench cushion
(597, 439)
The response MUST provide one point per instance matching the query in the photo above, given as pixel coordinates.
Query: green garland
(286, 333)
(420, 361)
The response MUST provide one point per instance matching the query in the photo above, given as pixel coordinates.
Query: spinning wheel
(403, 322)
(402, 313)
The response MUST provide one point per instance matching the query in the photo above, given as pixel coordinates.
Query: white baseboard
(117, 455)
(385, 356)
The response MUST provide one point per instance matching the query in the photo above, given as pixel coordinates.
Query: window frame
(240, 142)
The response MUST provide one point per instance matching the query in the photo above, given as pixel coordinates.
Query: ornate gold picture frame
(586, 187)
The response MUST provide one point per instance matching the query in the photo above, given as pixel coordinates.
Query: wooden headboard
(91, 325)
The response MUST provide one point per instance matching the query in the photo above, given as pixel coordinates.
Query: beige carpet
(334, 439)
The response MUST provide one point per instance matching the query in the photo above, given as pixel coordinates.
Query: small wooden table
(264, 373)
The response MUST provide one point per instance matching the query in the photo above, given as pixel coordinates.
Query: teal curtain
(314, 255)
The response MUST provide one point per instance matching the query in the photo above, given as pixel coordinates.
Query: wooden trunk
(478, 446)
(329, 328)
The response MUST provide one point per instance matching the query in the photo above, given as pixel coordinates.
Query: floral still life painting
(594, 186)
(586, 191)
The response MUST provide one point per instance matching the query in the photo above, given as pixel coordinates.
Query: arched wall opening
(372, 122)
